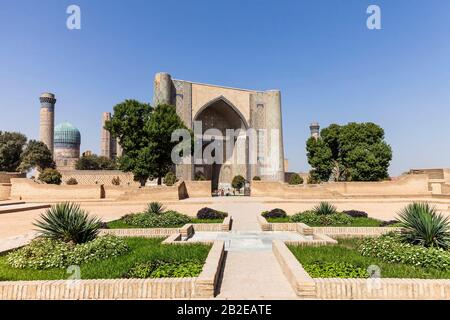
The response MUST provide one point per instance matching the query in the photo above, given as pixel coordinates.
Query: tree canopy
(144, 134)
(95, 162)
(36, 155)
(353, 152)
(11, 146)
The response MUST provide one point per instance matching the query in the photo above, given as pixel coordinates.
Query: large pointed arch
(228, 102)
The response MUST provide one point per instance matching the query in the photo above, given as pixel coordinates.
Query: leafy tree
(36, 155)
(353, 152)
(295, 179)
(238, 182)
(127, 125)
(170, 179)
(145, 136)
(50, 176)
(11, 146)
(94, 162)
(163, 121)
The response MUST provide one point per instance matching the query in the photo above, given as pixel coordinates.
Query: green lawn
(120, 224)
(141, 250)
(345, 252)
(356, 222)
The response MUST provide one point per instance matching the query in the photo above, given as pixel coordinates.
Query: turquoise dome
(66, 135)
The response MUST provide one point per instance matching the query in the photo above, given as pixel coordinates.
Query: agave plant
(68, 223)
(423, 225)
(155, 208)
(324, 208)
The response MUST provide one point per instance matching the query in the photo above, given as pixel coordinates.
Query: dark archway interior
(222, 116)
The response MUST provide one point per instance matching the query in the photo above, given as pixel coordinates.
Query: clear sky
(329, 67)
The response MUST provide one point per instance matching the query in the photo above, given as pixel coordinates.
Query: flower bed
(140, 251)
(351, 258)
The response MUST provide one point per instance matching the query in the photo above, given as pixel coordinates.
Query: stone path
(251, 270)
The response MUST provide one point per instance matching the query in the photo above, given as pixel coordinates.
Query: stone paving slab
(19, 207)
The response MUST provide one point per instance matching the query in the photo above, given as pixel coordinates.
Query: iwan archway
(223, 129)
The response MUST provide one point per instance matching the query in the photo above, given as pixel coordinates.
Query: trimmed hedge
(274, 213)
(208, 213)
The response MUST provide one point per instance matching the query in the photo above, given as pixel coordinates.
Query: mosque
(63, 140)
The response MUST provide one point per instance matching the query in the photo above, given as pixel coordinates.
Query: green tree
(94, 162)
(238, 182)
(295, 179)
(127, 125)
(36, 155)
(50, 176)
(11, 146)
(163, 121)
(353, 152)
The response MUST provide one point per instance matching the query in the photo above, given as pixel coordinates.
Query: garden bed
(121, 224)
(343, 260)
(193, 272)
(141, 250)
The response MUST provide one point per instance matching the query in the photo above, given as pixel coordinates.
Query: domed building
(67, 140)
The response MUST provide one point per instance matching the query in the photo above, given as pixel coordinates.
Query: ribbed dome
(67, 134)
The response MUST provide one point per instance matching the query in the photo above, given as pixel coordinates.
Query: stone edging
(354, 232)
(302, 283)
(348, 289)
(204, 286)
(334, 232)
(186, 231)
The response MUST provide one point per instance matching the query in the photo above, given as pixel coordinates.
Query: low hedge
(168, 219)
(389, 248)
(335, 270)
(274, 213)
(44, 253)
(310, 217)
(208, 213)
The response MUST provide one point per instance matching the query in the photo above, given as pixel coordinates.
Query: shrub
(422, 225)
(388, 223)
(356, 214)
(324, 208)
(155, 208)
(170, 179)
(335, 270)
(295, 179)
(168, 219)
(391, 249)
(208, 213)
(45, 253)
(115, 181)
(69, 223)
(72, 182)
(50, 176)
(238, 182)
(311, 218)
(165, 269)
(256, 178)
(274, 213)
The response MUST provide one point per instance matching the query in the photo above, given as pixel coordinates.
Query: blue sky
(319, 53)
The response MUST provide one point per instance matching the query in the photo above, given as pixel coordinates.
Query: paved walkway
(251, 270)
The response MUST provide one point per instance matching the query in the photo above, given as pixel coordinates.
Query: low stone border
(387, 289)
(359, 289)
(186, 231)
(354, 232)
(203, 286)
(285, 226)
(302, 283)
(317, 240)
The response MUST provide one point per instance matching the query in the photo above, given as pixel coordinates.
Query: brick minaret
(47, 119)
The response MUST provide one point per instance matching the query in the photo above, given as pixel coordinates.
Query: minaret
(315, 130)
(106, 141)
(162, 93)
(47, 119)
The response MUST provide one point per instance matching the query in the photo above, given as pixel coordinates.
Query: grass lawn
(120, 224)
(141, 250)
(346, 252)
(356, 222)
